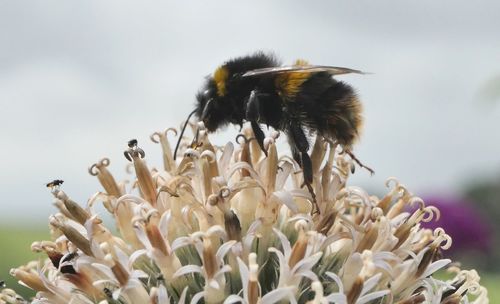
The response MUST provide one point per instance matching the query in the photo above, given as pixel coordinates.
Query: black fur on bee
(301, 100)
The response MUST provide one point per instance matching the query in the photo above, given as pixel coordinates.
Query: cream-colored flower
(230, 224)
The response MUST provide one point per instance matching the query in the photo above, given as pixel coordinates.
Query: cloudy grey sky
(80, 78)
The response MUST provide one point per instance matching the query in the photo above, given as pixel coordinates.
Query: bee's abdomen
(331, 108)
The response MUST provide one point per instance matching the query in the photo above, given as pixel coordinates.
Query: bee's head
(210, 109)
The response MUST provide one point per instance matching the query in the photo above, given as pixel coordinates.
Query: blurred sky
(80, 78)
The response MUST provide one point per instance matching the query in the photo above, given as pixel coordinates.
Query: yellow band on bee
(288, 84)
(220, 77)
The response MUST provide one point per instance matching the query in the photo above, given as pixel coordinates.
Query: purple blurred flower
(469, 230)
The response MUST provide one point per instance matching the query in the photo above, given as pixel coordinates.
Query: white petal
(223, 249)
(286, 199)
(89, 225)
(301, 193)
(277, 295)
(247, 242)
(225, 158)
(162, 294)
(197, 297)
(309, 274)
(135, 255)
(129, 198)
(337, 280)
(307, 263)
(420, 255)
(132, 283)
(351, 268)
(333, 238)
(80, 299)
(222, 271)
(104, 269)
(85, 259)
(122, 257)
(137, 273)
(141, 235)
(285, 274)
(385, 255)
(370, 283)
(163, 224)
(214, 284)
(243, 165)
(371, 296)
(188, 269)
(395, 221)
(181, 242)
(360, 193)
(244, 275)
(435, 267)
(385, 266)
(102, 282)
(182, 299)
(300, 216)
(78, 227)
(218, 231)
(283, 174)
(96, 249)
(285, 243)
(337, 298)
(254, 226)
(234, 299)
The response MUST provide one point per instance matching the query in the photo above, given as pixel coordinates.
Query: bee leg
(259, 135)
(253, 111)
(354, 158)
(253, 115)
(308, 178)
(299, 144)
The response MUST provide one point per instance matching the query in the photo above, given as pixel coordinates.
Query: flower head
(233, 225)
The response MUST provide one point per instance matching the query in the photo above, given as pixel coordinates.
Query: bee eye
(206, 93)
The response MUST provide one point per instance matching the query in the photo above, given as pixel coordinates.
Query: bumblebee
(300, 100)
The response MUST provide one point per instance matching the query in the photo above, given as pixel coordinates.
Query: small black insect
(108, 292)
(133, 150)
(54, 183)
(300, 100)
(68, 268)
(132, 143)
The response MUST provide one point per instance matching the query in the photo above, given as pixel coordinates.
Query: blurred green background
(16, 251)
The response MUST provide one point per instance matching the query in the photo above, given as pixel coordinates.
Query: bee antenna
(182, 133)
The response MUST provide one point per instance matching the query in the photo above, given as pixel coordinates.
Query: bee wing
(301, 69)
